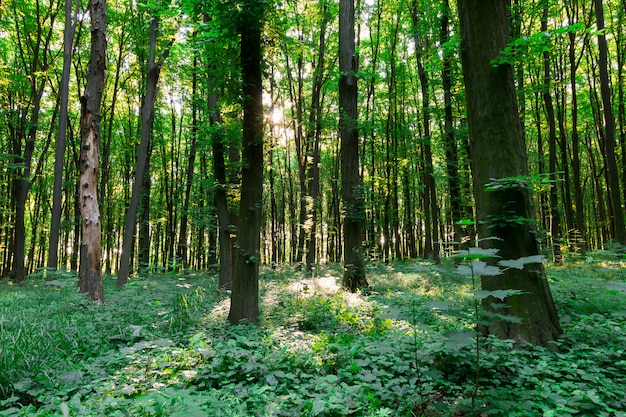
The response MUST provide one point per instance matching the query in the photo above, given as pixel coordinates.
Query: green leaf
(520, 262)
(438, 305)
(479, 268)
(508, 318)
(456, 339)
(476, 253)
(499, 294)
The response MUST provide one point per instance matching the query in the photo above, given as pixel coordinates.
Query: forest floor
(160, 346)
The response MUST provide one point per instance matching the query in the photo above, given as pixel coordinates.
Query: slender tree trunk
(59, 156)
(227, 223)
(314, 133)
(555, 219)
(452, 159)
(106, 186)
(191, 161)
(499, 152)
(90, 251)
(578, 191)
(153, 69)
(431, 247)
(245, 286)
(144, 238)
(612, 175)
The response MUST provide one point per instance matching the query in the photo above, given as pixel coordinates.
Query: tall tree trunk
(431, 247)
(555, 219)
(24, 125)
(227, 222)
(153, 69)
(144, 238)
(612, 175)
(452, 159)
(90, 251)
(580, 223)
(191, 161)
(314, 133)
(59, 155)
(245, 286)
(106, 186)
(498, 152)
(351, 184)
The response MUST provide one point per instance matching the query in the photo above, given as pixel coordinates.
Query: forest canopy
(412, 127)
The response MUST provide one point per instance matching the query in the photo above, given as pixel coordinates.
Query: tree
(153, 70)
(618, 228)
(26, 114)
(352, 192)
(59, 157)
(505, 214)
(90, 268)
(245, 284)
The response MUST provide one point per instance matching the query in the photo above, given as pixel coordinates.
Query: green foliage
(160, 347)
(518, 50)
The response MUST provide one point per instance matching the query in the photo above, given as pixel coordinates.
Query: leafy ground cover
(161, 347)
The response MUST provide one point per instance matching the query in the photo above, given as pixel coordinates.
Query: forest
(312, 208)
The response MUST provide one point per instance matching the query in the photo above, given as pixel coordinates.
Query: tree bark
(452, 158)
(352, 192)
(245, 286)
(153, 69)
(59, 155)
(498, 152)
(555, 218)
(90, 251)
(431, 217)
(612, 175)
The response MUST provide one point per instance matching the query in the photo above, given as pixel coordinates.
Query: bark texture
(352, 192)
(498, 152)
(90, 252)
(245, 286)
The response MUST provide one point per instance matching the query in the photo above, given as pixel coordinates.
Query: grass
(161, 347)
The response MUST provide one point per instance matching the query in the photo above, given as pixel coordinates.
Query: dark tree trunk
(245, 286)
(431, 245)
(452, 159)
(313, 135)
(59, 155)
(612, 175)
(143, 244)
(352, 192)
(498, 152)
(90, 251)
(578, 191)
(153, 69)
(227, 222)
(191, 161)
(555, 219)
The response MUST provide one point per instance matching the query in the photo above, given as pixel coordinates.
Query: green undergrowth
(160, 346)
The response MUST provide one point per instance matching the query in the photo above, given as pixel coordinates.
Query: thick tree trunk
(352, 192)
(498, 152)
(245, 286)
(90, 251)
